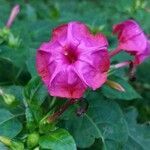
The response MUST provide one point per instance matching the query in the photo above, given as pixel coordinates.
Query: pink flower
(132, 40)
(13, 15)
(139, 58)
(73, 60)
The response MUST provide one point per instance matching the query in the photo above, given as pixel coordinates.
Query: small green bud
(5, 140)
(13, 41)
(8, 98)
(4, 33)
(33, 140)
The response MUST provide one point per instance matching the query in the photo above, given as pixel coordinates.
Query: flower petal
(94, 72)
(44, 68)
(139, 58)
(131, 37)
(126, 30)
(67, 84)
(136, 44)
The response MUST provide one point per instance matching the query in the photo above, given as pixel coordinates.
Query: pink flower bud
(73, 60)
(115, 85)
(132, 39)
(13, 15)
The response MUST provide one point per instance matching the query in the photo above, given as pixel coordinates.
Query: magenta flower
(139, 58)
(73, 60)
(132, 40)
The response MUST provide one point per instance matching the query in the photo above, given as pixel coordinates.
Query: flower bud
(4, 33)
(33, 140)
(8, 98)
(115, 85)
(13, 15)
(13, 41)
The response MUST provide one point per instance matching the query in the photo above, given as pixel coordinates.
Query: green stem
(61, 110)
(114, 52)
(53, 102)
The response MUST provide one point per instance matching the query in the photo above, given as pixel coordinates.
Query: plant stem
(114, 52)
(61, 110)
(52, 102)
(122, 64)
(132, 71)
(113, 68)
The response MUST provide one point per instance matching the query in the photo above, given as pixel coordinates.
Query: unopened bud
(115, 85)
(8, 98)
(33, 139)
(13, 15)
(13, 41)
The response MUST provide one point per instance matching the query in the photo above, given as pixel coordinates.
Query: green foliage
(100, 121)
(33, 139)
(59, 139)
(9, 124)
(3, 147)
(114, 120)
(139, 135)
(128, 94)
(35, 92)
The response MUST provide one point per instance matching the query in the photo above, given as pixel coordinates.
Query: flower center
(70, 55)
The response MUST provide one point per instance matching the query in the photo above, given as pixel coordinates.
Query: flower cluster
(75, 59)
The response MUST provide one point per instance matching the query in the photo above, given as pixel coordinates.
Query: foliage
(114, 120)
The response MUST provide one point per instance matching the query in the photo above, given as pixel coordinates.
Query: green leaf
(9, 124)
(13, 74)
(30, 12)
(59, 139)
(3, 147)
(103, 119)
(5, 76)
(139, 134)
(35, 92)
(31, 66)
(15, 90)
(143, 71)
(129, 93)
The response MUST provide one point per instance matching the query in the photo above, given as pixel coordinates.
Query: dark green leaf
(103, 119)
(129, 93)
(59, 139)
(9, 124)
(139, 134)
(35, 92)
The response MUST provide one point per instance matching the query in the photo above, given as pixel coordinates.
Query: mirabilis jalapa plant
(75, 59)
